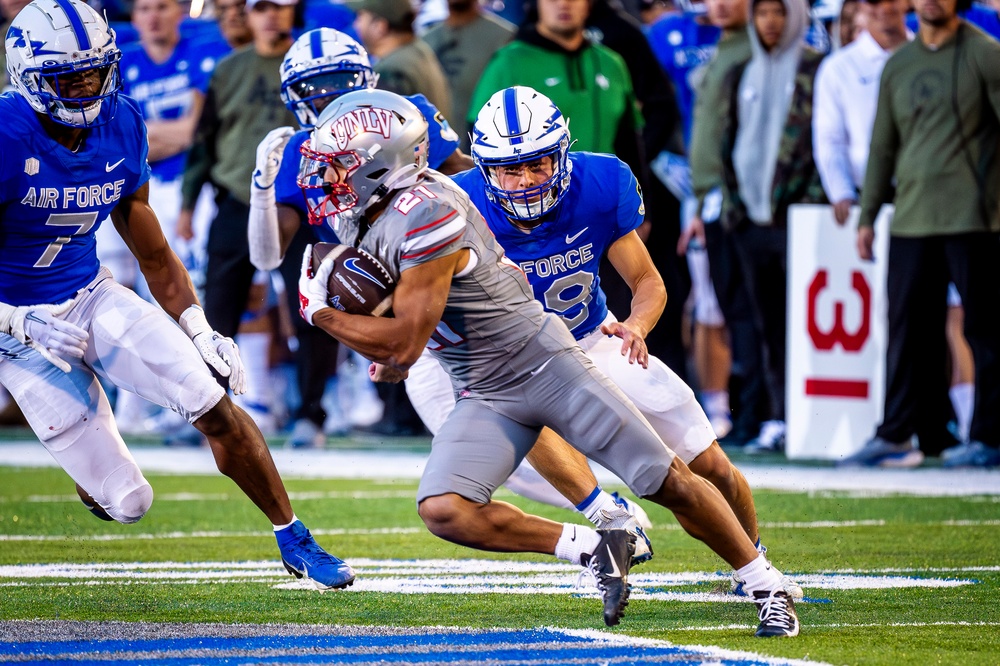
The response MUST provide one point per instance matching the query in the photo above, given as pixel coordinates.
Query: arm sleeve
(881, 156)
(831, 143)
(201, 157)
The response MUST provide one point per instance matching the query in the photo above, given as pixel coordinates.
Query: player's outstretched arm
(397, 341)
(630, 258)
(265, 228)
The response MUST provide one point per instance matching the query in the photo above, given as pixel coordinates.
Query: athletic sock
(962, 399)
(597, 501)
(575, 541)
(759, 575)
(278, 528)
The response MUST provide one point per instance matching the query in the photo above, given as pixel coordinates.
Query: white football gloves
(312, 285)
(262, 229)
(38, 327)
(269, 160)
(217, 350)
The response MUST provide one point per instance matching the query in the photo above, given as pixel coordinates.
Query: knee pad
(127, 494)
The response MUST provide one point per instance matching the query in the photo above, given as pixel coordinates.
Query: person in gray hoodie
(769, 166)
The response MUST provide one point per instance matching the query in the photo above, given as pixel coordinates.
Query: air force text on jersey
(84, 196)
(569, 260)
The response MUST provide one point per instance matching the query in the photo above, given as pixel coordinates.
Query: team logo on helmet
(354, 123)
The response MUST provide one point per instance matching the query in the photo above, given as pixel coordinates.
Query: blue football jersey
(165, 90)
(561, 256)
(53, 200)
(683, 46)
(443, 142)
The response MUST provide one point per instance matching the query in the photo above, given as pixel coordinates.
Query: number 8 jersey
(561, 256)
(53, 200)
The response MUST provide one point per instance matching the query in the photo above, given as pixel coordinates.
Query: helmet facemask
(54, 84)
(325, 182)
(307, 95)
(526, 206)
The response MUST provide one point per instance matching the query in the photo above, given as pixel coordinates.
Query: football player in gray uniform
(515, 368)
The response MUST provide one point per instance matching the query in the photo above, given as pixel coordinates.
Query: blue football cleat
(304, 558)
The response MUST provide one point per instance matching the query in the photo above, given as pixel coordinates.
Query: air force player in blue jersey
(73, 151)
(321, 66)
(556, 213)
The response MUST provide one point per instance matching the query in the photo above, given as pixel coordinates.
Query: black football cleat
(609, 564)
(776, 612)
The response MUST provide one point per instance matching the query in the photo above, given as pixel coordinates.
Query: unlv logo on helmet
(359, 121)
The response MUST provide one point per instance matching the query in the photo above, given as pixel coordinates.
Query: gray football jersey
(491, 312)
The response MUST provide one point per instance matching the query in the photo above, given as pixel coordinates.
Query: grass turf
(920, 535)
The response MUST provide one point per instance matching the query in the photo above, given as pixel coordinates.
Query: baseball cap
(393, 11)
(283, 3)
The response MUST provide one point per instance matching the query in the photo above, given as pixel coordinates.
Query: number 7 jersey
(52, 200)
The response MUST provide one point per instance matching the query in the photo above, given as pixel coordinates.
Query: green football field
(889, 579)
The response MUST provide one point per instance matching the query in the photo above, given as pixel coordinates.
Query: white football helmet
(51, 41)
(366, 144)
(321, 65)
(516, 126)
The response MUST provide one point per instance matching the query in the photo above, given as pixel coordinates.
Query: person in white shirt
(844, 103)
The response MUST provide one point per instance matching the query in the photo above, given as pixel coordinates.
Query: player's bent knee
(443, 514)
(676, 491)
(713, 464)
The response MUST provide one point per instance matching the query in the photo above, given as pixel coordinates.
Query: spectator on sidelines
(707, 177)
(231, 16)
(242, 105)
(405, 64)
(850, 22)
(769, 166)
(464, 43)
(684, 43)
(934, 136)
(589, 82)
(846, 97)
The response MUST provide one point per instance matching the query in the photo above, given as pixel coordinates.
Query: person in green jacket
(587, 81)
(935, 138)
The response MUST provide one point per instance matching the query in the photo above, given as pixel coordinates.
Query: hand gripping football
(359, 283)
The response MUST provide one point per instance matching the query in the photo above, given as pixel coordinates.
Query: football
(359, 283)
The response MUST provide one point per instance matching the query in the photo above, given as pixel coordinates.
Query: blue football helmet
(51, 45)
(518, 126)
(321, 65)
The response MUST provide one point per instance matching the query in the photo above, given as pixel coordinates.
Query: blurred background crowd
(727, 111)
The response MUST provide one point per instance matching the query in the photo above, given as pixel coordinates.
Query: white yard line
(357, 464)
